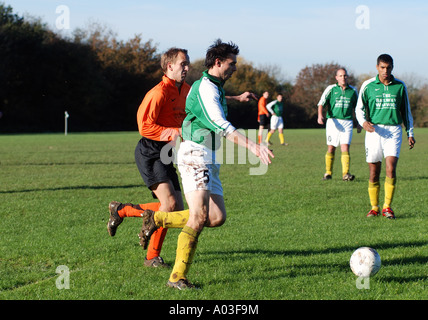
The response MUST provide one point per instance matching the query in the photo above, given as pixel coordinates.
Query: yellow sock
(176, 219)
(345, 162)
(374, 188)
(268, 136)
(389, 191)
(329, 160)
(281, 138)
(186, 248)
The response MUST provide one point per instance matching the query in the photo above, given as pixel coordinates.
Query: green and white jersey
(206, 112)
(340, 102)
(275, 107)
(385, 104)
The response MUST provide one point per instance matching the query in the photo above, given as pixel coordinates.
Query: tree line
(100, 81)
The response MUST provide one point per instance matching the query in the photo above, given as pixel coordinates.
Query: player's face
(227, 67)
(342, 78)
(180, 67)
(384, 69)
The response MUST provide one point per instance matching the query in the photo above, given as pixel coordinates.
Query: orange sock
(155, 244)
(135, 210)
(156, 240)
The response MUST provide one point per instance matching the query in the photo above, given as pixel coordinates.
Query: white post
(66, 115)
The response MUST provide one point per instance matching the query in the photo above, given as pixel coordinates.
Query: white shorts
(338, 132)
(198, 168)
(276, 122)
(384, 142)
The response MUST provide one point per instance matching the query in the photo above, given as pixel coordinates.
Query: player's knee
(199, 218)
(170, 204)
(216, 220)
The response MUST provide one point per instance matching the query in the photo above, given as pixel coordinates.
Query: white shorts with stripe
(198, 168)
(384, 142)
(338, 132)
(276, 122)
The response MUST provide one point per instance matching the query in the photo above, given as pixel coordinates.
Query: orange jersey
(161, 113)
(262, 107)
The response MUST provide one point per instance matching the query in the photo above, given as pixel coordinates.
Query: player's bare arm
(260, 151)
(320, 116)
(243, 97)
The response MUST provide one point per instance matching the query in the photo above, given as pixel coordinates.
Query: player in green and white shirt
(340, 100)
(276, 108)
(203, 126)
(382, 108)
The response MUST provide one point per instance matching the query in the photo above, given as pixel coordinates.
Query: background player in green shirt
(340, 100)
(383, 106)
(276, 108)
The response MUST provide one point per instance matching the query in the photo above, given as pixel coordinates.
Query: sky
(285, 36)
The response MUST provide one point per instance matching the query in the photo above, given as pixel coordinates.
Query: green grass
(288, 234)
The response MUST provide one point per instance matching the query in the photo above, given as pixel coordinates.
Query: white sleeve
(209, 99)
(270, 105)
(360, 110)
(324, 95)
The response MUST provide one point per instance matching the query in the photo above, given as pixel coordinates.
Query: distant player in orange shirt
(159, 118)
(263, 115)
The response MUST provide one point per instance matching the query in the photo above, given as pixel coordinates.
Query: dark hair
(170, 56)
(385, 58)
(220, 50)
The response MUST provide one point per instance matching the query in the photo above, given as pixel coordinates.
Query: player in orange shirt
(263, 115)
(159, 118)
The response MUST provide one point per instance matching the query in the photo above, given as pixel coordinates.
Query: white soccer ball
(365, 262)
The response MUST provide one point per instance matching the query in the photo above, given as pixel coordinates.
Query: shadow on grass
(130, 186)
(314, 268)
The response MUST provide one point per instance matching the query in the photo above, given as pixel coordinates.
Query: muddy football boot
(114, 220)
(148, 227)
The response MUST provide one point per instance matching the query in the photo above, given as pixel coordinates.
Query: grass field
(289, 235)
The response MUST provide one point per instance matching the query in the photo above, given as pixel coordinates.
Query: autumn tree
(311, 83)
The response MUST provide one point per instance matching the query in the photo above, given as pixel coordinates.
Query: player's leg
(273, 127)
(187, 242)
(281, 135)
(390, 179)
(346, 163)
(332, 137)
(171, 200)
(269, 135)
(260, 134)
(392, 147)
(374, 187)
(329, 161)
(345, 138)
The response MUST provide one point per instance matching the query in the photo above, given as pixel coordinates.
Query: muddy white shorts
(384, 142)
(276, 122)
(198, 168)
(338, 132)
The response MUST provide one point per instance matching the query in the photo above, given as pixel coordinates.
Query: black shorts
(264, 120)
(152, 169)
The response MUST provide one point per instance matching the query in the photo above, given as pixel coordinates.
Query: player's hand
(412, 142)
(320, 120)
(264, 153)
(368, 126)
(246, 96)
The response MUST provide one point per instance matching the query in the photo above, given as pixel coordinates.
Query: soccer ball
(365, 262)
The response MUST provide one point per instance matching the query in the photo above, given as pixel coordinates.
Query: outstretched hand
(246, 96)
